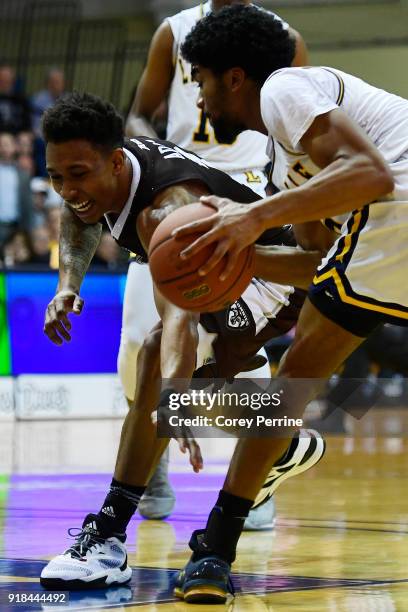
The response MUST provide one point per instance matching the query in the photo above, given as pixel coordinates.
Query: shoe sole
(202, 594)
(299, 454)
(57, 584)
(264, 527)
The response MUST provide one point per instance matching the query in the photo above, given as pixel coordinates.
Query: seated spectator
(24, 141)
(39, 191)
(14, 107)
(40, 101)
(40, 241)
(15, 195)
(53, 225)
(26, 163)
(17, 249)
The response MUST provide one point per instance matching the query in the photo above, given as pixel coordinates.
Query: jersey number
(202, 134)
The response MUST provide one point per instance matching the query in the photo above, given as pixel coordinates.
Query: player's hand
(57, 325)
(232, 227)
(192, 446)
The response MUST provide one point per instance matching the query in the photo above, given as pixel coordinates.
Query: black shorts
(358, 321)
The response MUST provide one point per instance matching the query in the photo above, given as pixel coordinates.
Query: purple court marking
(40, 509)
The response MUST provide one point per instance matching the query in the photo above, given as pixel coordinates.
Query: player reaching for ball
(136, 184)
(166, 82)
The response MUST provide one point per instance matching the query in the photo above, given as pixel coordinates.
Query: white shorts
(140, 315)
(367, 266)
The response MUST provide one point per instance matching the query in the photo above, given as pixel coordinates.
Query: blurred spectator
(39, 190)
(53, 225)
(14, 107)
(15, 195)
(108, 254)
(17, 249)
(24, 141)
(40, 101)
(26, 163)
(40, 241)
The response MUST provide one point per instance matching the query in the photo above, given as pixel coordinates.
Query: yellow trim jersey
(366, 267)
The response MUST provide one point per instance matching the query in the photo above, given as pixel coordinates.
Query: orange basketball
(178, 279)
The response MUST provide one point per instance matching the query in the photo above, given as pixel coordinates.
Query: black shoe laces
(84, 541)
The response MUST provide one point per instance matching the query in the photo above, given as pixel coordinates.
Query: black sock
(119, 506)
(224, 527)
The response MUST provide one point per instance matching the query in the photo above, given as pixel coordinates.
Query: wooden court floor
(340, 543)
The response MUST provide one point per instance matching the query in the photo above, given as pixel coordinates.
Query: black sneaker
(204, 581)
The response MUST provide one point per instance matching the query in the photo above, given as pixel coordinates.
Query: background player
(96, 175)
(167, 77)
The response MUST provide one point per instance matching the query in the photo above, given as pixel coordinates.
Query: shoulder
(298, 79)
(189, 15)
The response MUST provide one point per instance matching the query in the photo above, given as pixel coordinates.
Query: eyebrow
(71, 167)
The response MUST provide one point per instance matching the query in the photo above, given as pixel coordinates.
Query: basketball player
(167, 76)
(136, 184)
(343, 156)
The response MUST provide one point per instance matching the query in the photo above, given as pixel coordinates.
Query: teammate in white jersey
(167, 76)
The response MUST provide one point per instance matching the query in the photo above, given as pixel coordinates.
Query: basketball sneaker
(206, 580)
(305, 451)
(261, 518)
(96, 560)
(158, 499)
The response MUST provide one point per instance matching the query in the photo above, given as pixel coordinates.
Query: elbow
(386, 180)
(381, 177)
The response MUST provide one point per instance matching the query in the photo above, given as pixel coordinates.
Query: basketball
(178, 280)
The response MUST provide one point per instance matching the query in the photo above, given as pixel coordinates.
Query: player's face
(219, 103)
(85, 177)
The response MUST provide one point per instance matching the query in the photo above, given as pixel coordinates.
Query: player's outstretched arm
(286, 265)
(77, 246)
(178, 349)
(154, 84)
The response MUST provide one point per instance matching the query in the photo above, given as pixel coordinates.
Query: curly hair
(245, 36)
(83, 116)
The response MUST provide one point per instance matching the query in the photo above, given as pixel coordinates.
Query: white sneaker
(94, 561)
(305, 450)
(158, 500)
(261, 518)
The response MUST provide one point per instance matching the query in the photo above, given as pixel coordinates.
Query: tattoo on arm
(77, 246)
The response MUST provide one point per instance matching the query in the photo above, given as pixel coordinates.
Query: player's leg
(320, 346)
(98, 557)
(139, 317)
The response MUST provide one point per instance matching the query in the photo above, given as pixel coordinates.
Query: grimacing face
(85, 177)
(217, 102)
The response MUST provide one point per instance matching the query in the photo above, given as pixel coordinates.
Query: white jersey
(368, 262)
(188, 126)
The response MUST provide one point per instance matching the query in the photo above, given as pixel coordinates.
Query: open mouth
(81, 206)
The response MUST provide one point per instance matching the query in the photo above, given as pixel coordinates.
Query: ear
(235, 77)
(118, 161)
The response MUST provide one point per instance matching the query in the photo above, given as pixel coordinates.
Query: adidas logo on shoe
(108, 510)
